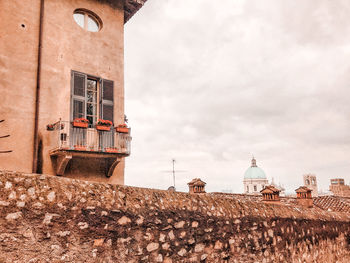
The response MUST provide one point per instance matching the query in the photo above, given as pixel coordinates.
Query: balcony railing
(67, 137)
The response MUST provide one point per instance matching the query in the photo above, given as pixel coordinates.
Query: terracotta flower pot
(103, 128)
(122, 130)
(80, 124)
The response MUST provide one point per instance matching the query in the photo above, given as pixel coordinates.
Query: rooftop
(321, 203)
(131, 7)
(333, 203)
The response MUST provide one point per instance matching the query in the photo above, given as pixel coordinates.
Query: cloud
(211, 84)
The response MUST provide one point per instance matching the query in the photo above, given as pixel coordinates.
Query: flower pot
(80, 124)
(111, 150)
(103, 128)
(79, 148)
(122, 130)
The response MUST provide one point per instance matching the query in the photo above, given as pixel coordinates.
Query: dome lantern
(254, 162)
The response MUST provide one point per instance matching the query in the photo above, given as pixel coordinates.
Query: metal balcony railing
(67, 137)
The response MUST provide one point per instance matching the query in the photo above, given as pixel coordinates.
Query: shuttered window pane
(79, 85)
(107, 112)
(107, 93)
(78, 109)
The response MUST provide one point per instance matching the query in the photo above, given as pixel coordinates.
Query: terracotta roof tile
(333, 203)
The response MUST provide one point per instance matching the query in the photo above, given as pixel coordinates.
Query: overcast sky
(211, 83)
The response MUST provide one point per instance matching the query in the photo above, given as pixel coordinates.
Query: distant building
(339, 188)
(311, 183)
(279, 187)
(254, 179)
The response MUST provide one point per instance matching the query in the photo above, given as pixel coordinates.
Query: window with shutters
(92, 98)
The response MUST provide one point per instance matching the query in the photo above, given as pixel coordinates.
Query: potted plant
(52, 127)
(122, 128)
(103, 125)
(80, 122)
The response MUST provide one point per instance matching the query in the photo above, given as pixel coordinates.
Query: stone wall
(53, 219)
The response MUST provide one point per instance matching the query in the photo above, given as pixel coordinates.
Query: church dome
(254, 172)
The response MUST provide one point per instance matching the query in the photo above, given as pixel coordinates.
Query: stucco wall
(19, 31)
(55, 219)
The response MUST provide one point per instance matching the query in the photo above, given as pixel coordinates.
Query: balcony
(69, 142)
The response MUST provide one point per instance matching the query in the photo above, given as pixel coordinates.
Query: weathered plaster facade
(19, 31)
(65, 47)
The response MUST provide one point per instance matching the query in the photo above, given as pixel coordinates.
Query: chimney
(270, 194)
(304, 197)
(196, 186)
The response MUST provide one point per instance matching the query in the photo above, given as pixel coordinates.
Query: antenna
(173, 171)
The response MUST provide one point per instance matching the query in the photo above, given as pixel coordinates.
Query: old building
(311, 183)
(339, 188)
(254, 179)
(62, 87)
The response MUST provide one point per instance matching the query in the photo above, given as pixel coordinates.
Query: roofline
(131, 7)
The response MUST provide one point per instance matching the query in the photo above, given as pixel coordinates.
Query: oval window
(87, 20)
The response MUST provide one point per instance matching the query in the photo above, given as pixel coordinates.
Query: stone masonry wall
(54, 219)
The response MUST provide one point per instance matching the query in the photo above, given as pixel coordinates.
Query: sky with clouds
(211, 83)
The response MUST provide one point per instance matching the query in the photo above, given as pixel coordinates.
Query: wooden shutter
(78, 95)
(78, 109)
(107, 95)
